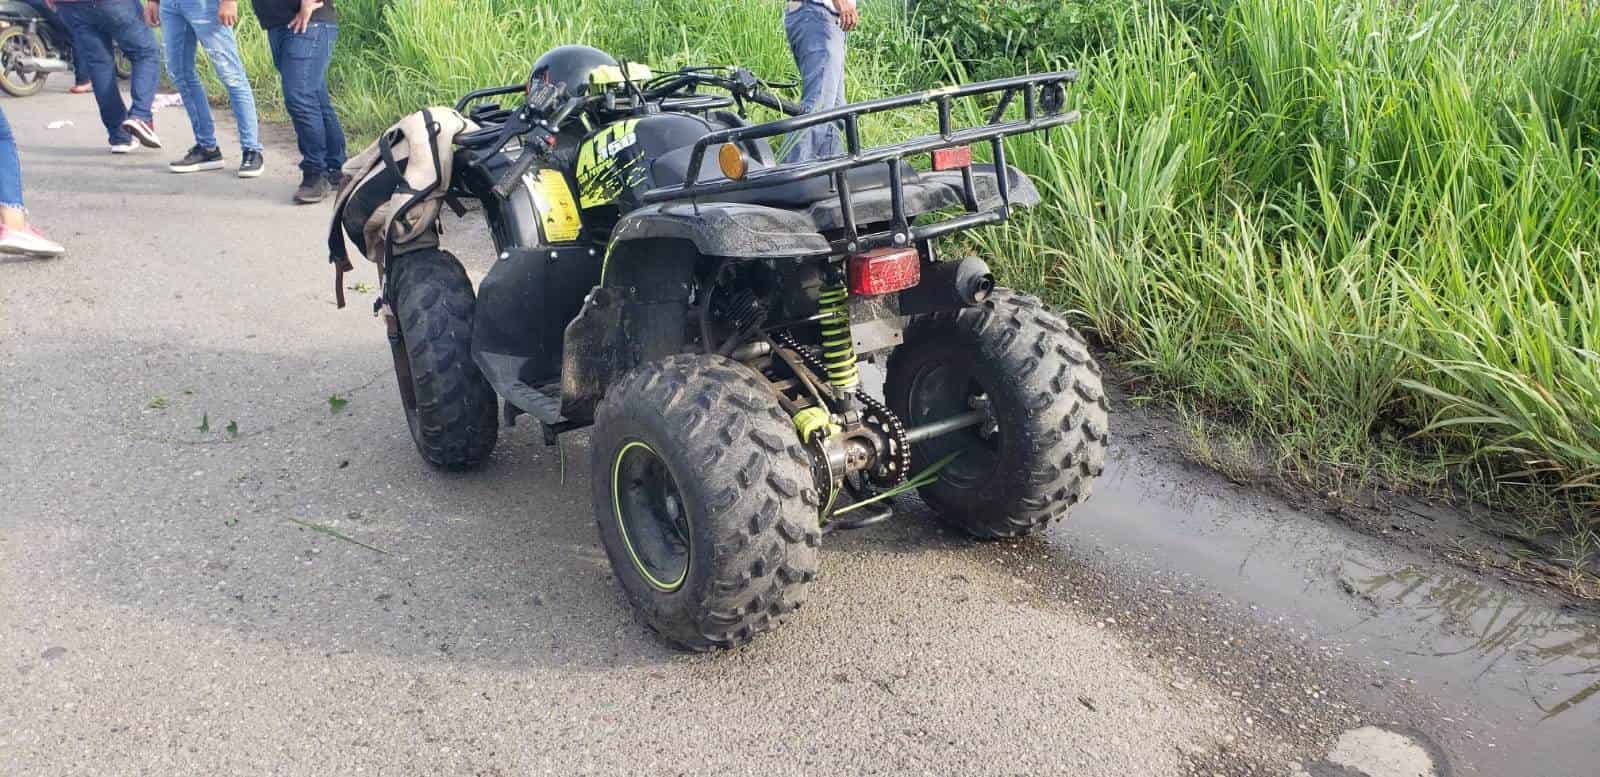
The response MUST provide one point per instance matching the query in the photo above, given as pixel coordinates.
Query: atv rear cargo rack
(1043, 102)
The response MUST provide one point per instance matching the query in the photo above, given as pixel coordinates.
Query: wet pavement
(1512, 675)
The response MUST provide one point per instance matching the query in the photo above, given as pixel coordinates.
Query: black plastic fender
(536, 286)
(639, 312)
(725, 229)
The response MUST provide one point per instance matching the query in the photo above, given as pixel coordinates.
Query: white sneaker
(27, 242)
(123, 148)
(142, 131)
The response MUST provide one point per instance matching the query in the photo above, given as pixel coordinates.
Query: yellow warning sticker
(556, 207)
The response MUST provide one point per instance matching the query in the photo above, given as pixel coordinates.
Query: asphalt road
(219, 554)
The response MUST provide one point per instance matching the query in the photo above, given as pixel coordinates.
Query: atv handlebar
(739, 82)
(540, 136)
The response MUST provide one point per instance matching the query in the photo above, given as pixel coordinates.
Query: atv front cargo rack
(1043, 102)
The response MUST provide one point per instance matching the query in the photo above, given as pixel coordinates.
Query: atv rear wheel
(705, 500)
(449, 406)
(1044, 440)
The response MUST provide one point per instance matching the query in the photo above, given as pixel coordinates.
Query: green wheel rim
(650, 516)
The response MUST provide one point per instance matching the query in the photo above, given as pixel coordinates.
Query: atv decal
(553, 200)
(602, 164)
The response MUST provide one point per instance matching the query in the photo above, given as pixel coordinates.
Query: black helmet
(571, 65)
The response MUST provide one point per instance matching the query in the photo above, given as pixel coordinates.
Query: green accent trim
(606, 75)
(622, 528)
(838, 344)
(606, 262)
(811, 420)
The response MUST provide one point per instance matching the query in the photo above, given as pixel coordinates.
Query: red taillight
(952, 158)
(884, 270)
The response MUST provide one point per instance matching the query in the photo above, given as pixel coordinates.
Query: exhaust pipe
(945, 285)
(42, 65)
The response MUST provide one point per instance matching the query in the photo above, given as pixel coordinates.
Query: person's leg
(817, 43)
(334, 152)
(80, 69)
(11, 210)
(297, 56)
(82, 80)
(125, 25)
(222, 48)
(16, 236)
(178, 33)
(90, 41)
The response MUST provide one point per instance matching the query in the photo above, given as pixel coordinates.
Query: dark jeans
(94, 23)
(80, 68)
(302, 60)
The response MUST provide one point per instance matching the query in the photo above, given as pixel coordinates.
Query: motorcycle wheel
(123, 65)
(16, 43)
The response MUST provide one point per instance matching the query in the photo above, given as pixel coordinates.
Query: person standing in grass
(16, 236)
(208, 23)
(95, 24)
(816, 31)
(302, 34)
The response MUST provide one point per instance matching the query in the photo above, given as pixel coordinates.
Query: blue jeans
(817, 42)
(185, 23)
(94, 24)
(302, 61)
(10, 167)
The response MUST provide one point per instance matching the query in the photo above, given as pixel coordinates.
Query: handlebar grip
(777, 103)
(508, 180)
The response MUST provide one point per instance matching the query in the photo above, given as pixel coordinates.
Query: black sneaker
(252, 164)
(313, 188)
(199, 158)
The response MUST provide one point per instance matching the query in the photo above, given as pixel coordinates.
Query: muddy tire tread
(758, 490)
(1048, 359)
(457, 410)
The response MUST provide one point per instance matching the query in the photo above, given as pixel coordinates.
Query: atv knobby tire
(1046, 439)
(741, 482)
(450, 407)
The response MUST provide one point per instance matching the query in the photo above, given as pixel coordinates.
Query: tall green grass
(1346, 223)
(1367, 230)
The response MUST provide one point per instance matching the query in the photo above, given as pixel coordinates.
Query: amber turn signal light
(731, 160)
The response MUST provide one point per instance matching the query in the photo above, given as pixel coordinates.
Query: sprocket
(897, 464)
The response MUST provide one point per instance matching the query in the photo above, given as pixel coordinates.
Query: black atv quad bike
(664, 278)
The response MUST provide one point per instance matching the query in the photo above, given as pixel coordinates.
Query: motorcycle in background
(32, 47)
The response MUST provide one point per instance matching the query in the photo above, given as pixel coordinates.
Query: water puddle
(1527, 669)
(1554, 656)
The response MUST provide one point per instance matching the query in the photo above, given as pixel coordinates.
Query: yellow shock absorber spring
(838, 347)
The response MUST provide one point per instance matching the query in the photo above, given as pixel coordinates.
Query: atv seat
(671, 168)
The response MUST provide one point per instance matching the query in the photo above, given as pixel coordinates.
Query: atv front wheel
(705, 500)
(449, 406)
(1043, 440)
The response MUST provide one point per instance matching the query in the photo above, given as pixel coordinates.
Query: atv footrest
(543, 403)
(535, 402)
